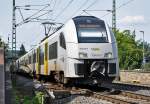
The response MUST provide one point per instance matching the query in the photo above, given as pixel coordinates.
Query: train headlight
(82, 55)
(108, 55)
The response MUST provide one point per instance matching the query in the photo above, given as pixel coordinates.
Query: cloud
(132, 19)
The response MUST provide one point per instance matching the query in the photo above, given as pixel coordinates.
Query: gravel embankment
(77, 99)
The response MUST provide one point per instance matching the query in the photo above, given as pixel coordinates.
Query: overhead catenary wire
(86, 13)
(43, 14)
(50, 2)
(93, 3)
(53, 8)
(32, 5)
(25, 20)
(31, 9)
(21, 14)
(28, 20)
(84, 3)
(38, 12)
(122, 5)
(69, 3)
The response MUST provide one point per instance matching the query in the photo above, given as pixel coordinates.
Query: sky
(132, 15)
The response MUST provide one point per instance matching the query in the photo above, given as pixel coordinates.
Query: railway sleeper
(135, 95)
(112, 99)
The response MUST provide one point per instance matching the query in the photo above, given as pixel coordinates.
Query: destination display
(89, 26)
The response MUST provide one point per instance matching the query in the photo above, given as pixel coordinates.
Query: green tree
(22, 50)
(2, 44)
(130, 55)
(146, 47)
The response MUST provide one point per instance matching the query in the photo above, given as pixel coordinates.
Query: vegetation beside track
(24, 99)
(130, 51)
(21, 97)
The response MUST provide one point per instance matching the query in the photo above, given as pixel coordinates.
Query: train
(84, 50)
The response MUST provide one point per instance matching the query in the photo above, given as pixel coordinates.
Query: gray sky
(134, 16)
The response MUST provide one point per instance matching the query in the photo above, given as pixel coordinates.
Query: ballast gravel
(77, 99)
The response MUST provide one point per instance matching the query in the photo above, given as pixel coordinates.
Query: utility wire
(55, 1)
(42, 14)
(50, 2)
(28, 20)
(21, 14)
(84, 3)
(91, 4)
(69, 3)
(37, 12)
(31, 9)
(122, 5)
(32, 5)
(86, 13)
(89, 7)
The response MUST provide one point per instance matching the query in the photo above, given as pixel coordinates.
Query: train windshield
(91, 31)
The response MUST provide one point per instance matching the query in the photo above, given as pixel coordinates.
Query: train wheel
(57, 77)
(63, 79)
(38, 77)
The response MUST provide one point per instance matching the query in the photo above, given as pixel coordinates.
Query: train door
(38, 60)
(46, 58)
(62, 52)
(34, 61)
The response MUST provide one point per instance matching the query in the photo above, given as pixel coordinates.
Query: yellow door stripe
(37, 62)
(46, 59)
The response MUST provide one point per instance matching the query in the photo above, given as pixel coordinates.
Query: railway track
(125, 86)
(101, 93)
(124, 98)
(115, 97)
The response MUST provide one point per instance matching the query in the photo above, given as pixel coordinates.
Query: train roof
(85, 18)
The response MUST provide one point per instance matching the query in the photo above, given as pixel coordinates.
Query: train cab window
(91, 30)
(62, 40)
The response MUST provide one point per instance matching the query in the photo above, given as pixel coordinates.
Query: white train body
(83, 49)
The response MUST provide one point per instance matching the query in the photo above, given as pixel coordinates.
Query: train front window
(91, 30)
(90, 33)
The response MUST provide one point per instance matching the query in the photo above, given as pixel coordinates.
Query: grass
(21, 98)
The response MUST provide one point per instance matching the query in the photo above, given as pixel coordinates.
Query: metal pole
(143, 50)
(114, 16)
(14, 31)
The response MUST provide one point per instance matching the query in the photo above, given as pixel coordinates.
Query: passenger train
(84, 50)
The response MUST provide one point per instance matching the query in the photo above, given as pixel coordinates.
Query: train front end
(91, 51)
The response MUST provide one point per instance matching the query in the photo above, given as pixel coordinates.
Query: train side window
(41, 56)
(62, 40)
(34, 57)
(53, 51)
